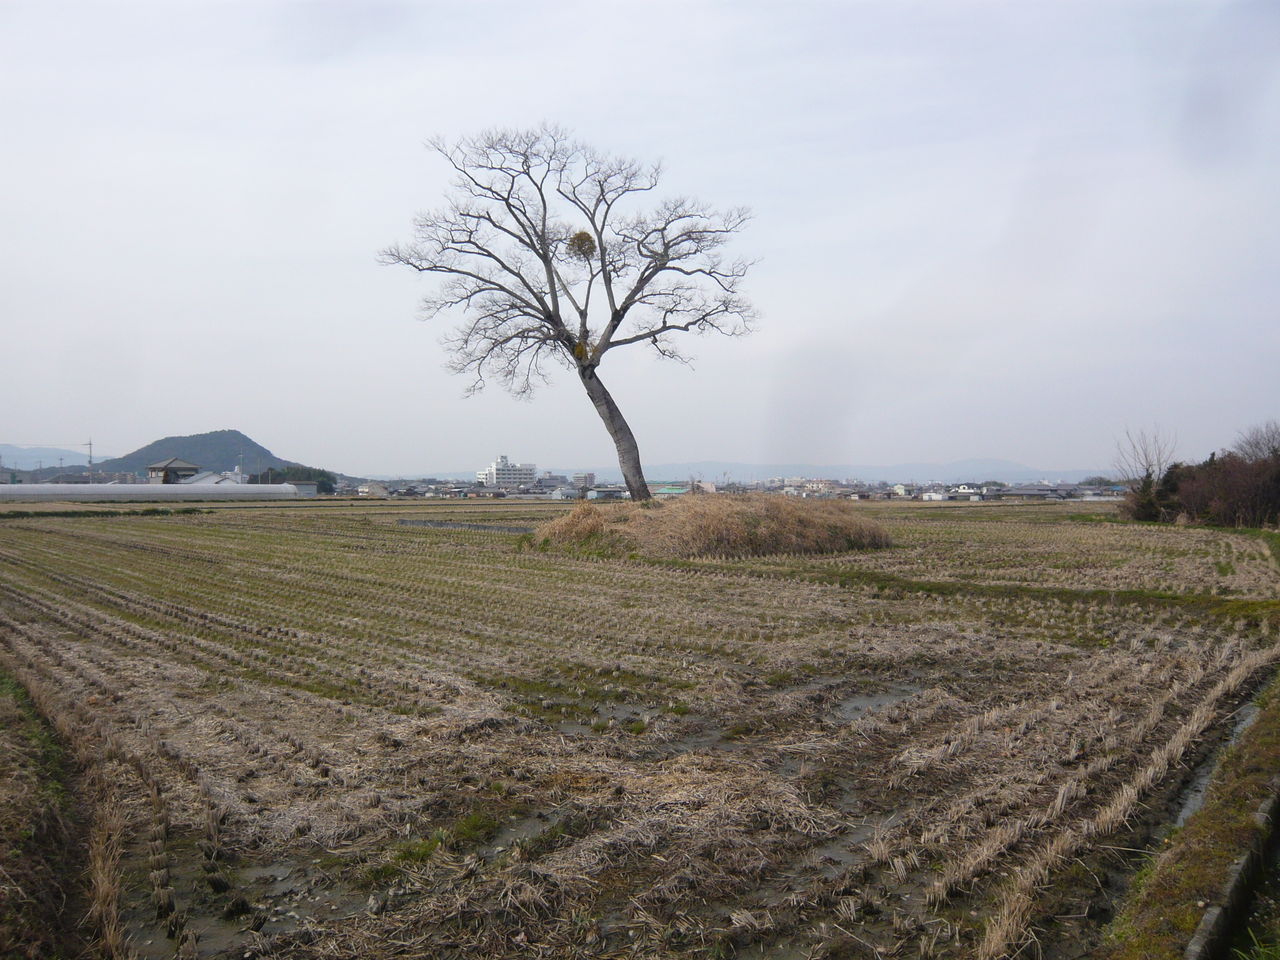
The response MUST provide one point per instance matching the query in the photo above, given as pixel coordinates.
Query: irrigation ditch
(1224, 923)
(1195, 899)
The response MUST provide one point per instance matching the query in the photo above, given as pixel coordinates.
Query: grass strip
(1270, 537)
(1169, 897)
(76, 514)
(36, 832)
(1251, 611)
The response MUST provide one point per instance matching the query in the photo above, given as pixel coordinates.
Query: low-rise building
(207, 476)
(665, 490)
(172, 470)
(1035, 491)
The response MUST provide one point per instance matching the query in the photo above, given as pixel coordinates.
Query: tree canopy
(546, 249)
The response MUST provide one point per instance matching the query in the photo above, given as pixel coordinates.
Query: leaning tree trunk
(623, 438)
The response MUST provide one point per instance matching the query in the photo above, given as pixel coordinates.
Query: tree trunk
(623, 438)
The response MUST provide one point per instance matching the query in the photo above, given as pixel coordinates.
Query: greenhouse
(98, 492)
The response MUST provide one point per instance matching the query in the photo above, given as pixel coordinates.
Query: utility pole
(90, 446)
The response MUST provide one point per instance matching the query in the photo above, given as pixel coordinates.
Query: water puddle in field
(833, 857)
(711, 740)
(235, 910)
(606, 716)
(852, 707)
(694, 734)
(691, 734)
(1192, 796)
(707, 736)
(524, 829)
(787, 948)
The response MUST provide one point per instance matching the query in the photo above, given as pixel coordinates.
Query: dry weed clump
(753, 525)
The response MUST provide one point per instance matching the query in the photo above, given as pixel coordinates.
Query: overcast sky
(984, 229)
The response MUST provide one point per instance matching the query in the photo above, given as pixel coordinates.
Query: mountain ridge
(14, 457)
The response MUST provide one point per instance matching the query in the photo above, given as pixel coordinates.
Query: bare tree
(540, 250)
(1260, 443)
(1142, 460)
(1144, 455)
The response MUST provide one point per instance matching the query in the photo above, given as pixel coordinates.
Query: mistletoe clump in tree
(543, 249)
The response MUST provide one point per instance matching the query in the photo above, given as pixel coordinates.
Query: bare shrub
(1142, 459)
(1230, 490)
(1261, 442)
(1144, 454)
(729, 526)
(1239, 487)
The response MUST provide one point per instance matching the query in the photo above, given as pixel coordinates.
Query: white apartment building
(503, 473)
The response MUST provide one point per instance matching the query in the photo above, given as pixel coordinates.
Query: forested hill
(219, 450)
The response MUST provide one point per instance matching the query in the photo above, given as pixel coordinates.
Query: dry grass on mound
(719, 525)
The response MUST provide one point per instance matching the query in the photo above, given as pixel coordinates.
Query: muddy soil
(240, 905)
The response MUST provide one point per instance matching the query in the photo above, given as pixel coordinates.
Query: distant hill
(28, 458)
(219, 450)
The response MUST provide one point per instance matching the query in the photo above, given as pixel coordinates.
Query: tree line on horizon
(325, 480)
(1235, 487)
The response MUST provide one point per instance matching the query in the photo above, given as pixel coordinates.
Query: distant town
(222, 463)
(505, 478)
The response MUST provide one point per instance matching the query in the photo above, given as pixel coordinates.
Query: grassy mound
(726, 526)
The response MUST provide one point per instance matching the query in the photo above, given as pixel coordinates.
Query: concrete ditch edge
(1213, 935)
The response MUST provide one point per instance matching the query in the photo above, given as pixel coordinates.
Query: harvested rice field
(312, 730)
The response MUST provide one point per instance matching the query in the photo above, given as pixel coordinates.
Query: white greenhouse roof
(142, 492)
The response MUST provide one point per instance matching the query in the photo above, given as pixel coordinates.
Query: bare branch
(528, 294)
(1144, 455)
(1261, 442)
